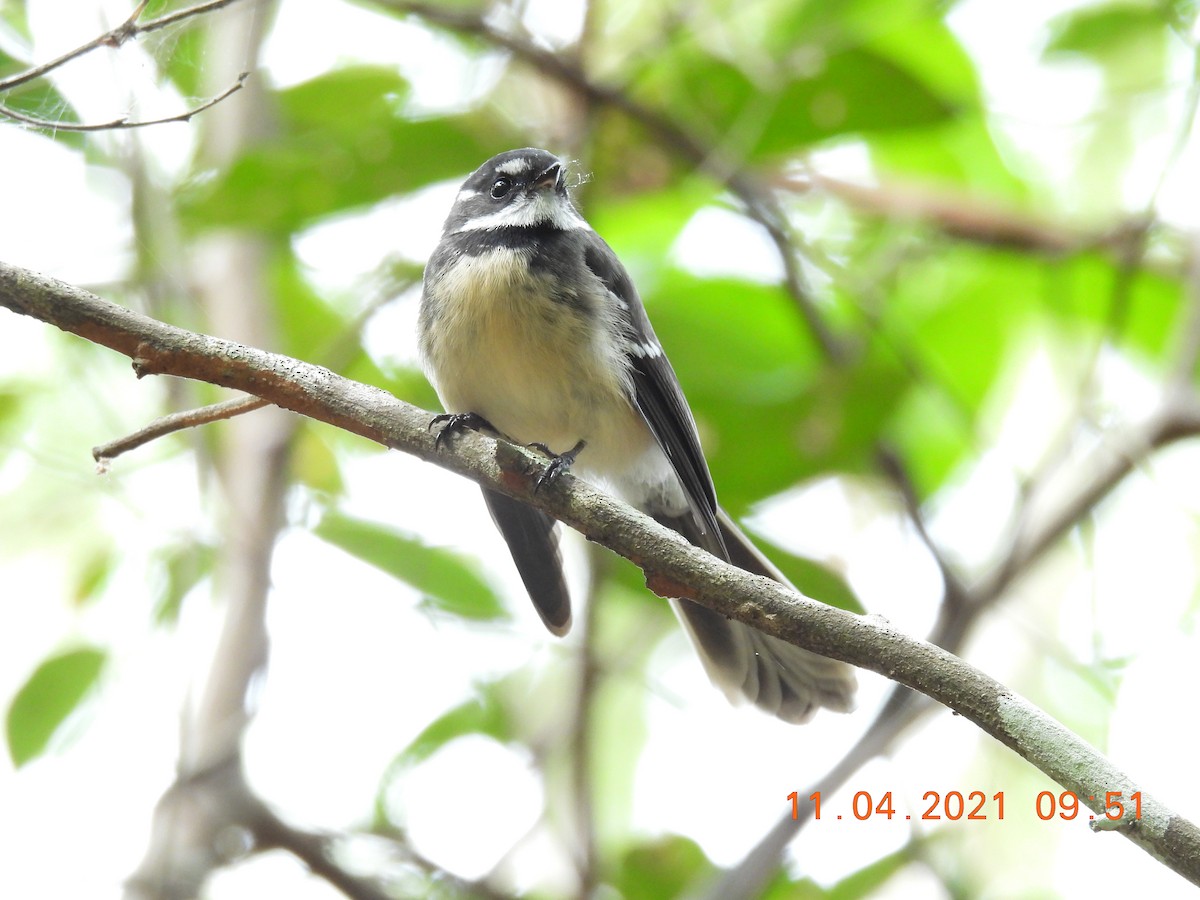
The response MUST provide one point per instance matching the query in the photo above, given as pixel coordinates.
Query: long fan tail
(779, 678)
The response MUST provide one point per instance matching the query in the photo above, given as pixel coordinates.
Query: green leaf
(963, 307)
(310, 326)
(448, 580)
(41, 100)
(14, 17)
(1098, 31)
(642, 228)
(961, 152)
(315, 462)
(852, 90)
(344, 142)
(859, 885)
(11, 397)
(930, 435)
(770, 414)
(93, 573)
(867, 881)
(485, 714)
(48, 697)
(1084, 294)
(181, 567)
(857, 91)
(181, 56)
(661, 868)
(482, 714)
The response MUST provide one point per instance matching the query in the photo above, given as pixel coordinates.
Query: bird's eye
(500, 188)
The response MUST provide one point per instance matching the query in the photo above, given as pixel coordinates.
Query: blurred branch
(314, 850)
(673, 567)
(221, 791)
(957, 216)
(128, 30)
(582, 740)
(759, 202)
(251, 460)
(124, 121)
(982, 222)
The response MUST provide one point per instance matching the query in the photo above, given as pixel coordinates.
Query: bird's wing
(659, 398)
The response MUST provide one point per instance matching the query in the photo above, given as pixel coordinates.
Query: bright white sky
(312, 751)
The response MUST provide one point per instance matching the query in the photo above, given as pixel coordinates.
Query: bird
(530, 326)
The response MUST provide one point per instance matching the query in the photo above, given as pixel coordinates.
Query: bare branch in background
(124, 122)
(230, 285)
(128, 30)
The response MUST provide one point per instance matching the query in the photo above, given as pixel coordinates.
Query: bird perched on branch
(530, 325)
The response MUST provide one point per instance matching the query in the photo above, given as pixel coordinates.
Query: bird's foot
(559, 462)
(452, 423)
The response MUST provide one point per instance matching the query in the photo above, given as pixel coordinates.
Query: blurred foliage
(448, 581)
(933, 311)
(47, 698)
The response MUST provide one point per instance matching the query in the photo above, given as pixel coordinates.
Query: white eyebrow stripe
(514, 166)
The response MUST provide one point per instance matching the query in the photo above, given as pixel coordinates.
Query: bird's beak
(548, 179)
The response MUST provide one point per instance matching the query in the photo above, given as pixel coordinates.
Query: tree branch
(673, 567)
(169, 424)
(123, 122)
(128, 30)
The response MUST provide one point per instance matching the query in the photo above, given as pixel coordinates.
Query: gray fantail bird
(530, 324)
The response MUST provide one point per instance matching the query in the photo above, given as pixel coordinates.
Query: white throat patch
(527, 211)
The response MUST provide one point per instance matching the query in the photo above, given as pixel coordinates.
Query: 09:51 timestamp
(976, 806)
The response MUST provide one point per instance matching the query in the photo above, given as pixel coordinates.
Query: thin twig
(124, 122)
(114, 38)
(169, 424)
(179, 15)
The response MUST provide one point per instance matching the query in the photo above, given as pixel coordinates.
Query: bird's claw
(454, 422)
(559, 463)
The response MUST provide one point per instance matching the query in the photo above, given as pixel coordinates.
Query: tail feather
(533, 541)
(778, 677)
